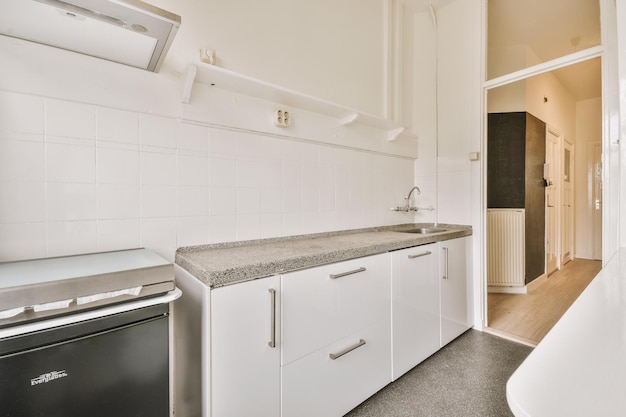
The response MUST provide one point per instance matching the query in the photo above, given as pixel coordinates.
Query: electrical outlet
(281, 118)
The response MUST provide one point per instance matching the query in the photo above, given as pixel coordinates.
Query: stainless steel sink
(423, 230)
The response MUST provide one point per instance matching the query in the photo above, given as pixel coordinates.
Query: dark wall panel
(516, 146)
(506, 147)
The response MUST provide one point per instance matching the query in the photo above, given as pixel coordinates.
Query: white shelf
(242, 84)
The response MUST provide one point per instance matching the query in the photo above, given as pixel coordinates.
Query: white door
(597, 200)
(454, 289)
(567, 206)
(552, 202)
(245, 353)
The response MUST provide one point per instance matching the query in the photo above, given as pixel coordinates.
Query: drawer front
(325, 304)
(318, 385)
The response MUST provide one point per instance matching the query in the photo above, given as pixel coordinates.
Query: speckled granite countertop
(222, 264)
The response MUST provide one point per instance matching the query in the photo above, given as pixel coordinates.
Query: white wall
(326, 48)
(97, 156)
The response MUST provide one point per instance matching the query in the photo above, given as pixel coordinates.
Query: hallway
(528, 317)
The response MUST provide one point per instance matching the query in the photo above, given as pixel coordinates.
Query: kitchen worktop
(222, 264)
(579, 368)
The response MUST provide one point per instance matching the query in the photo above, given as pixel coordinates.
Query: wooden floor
(528, 317)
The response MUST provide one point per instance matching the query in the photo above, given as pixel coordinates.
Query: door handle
(272, 342)
(445, 263)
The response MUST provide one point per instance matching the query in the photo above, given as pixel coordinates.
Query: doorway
(523, 76)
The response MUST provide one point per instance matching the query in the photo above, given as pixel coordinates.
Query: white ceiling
(551, 28)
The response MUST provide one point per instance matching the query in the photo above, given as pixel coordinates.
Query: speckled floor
(467, 378)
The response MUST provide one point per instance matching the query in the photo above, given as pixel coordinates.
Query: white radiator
(505, 247)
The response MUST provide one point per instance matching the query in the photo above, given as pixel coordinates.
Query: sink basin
(423, 230)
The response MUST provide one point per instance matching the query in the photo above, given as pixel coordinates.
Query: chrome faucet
(408, 207)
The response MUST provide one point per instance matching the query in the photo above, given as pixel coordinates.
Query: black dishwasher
(111, 360)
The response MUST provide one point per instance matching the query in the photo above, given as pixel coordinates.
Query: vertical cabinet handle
(445, 263)
(419, 255)
(272, 342)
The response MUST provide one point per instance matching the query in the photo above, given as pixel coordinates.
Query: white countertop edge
(579, 368)
(88, 315)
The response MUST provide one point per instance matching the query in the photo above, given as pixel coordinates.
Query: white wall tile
(117, 166)
(292, 188)
(327, 189)
(271, 200)
(157, 168)
(69, 119)
(222, 228)
(192, 231)
(292, 223)
(70, 201)
(158, 233)
(117, 201)
(271, 225)
(157, 131)
(223, 172)
(248, 200)
(69, 238)
(270, 149)
(115, 125)
(222, 142)
(193, 171)
(158, 201)
(118, 234)
(21, 161)
(22, 202)
(222, 201)
(70, 163)
(22, 241)
(310, 188)
(193, 201)
(271, 173)
(21, 113)
(248, 226)
(193, 138)
(248, 173)
(292, 152)
(250, 146)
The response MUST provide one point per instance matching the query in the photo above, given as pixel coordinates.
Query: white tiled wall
(78, 178)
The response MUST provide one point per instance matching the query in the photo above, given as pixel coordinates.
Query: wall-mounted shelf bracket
(393, 134)
(186, 83)
(349, 119)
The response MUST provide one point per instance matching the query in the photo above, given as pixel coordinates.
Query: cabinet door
(415, 306)
(245, 358)
(455, 291)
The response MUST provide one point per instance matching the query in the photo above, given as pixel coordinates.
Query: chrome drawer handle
(272, 342)
(445, 264)
(343, 274)
(420, 255)
(334, 356)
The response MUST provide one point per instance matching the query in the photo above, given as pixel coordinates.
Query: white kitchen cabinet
(336, 336)
(415, 306)
(245, 351)
(455, 289)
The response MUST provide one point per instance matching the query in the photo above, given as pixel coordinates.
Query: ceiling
(551, 29)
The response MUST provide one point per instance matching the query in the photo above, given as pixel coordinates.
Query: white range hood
(130, 32)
